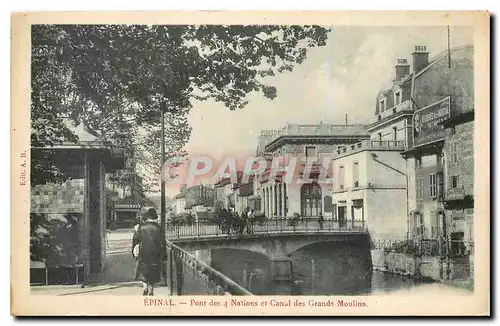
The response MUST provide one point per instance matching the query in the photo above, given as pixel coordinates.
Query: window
(453, 152)
(441, 159)
(397, 97)
(355, 174)
(454, 182)
(435, 225)
(310, 197)
(395, 133)
(379, 136)
(420, 188)
(257, 205)
(327, 203)
(418, 225)
(418, 161)
(341, 177)
(310, 151)
(440, 181)
(433, 184)
(382, 104)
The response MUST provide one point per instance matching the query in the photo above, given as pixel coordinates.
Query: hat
(151, 214)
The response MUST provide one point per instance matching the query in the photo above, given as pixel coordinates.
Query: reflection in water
(250, 269)
(319, 269)
(331, 268)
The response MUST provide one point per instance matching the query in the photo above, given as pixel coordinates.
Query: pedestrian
(321, 219)
(148, 248)
(244, 221)
(250, 221)
(236, 222)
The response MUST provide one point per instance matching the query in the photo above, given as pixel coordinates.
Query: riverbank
(455, 272)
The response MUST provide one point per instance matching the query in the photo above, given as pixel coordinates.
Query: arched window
(310, 199)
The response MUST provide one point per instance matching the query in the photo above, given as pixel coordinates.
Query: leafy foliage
(119, 78)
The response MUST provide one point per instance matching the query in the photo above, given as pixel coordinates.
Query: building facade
(441, 89)
(370, 176)
(302, 150)
(370, 188)
(459, 183)
(195, 200)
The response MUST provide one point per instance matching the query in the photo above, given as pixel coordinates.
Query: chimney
(402, 69)
(420, 58)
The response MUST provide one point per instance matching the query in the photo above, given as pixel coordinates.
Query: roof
(246, 189)
(206, 203)
(459, 119)
(440, 56)
(432, 61)
(227, 180)
(113, 157)
(135, 200)
(180, 195)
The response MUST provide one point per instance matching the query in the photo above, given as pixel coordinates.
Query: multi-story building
(370, 176)
(309, 145)
(441, 88)
(180, 201)
(459, 182)
(196, 200)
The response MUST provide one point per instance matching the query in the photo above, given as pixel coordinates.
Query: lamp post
(162, 181)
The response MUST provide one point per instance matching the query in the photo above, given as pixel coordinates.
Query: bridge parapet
(187, 275)
(280, 226)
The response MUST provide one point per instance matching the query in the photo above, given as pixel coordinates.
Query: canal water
(321, 269)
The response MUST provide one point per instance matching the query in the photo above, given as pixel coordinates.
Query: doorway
(342, 216)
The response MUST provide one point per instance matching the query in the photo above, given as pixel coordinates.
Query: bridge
(190, 268)
(274, 239)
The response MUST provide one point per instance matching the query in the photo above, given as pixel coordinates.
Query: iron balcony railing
(427, 247)
(276, 226)
(396, 145)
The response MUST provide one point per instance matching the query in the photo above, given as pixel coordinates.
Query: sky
(343, 77)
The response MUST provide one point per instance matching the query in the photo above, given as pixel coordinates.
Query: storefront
(126, 214)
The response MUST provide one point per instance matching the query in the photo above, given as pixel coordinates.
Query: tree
(118, 78)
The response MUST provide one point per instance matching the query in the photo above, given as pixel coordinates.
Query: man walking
(321, 219)
(148, 248)
(250, 221)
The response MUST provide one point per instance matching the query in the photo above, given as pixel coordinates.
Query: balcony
(322, 129)
(377, 145)
(404, 106)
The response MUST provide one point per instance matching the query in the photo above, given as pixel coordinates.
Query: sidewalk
(118, 277)
(128, 289)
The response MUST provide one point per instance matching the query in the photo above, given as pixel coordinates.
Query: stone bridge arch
(272, 245)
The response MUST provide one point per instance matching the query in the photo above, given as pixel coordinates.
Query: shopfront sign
(131, 206)
(427, 127)
(455, 194)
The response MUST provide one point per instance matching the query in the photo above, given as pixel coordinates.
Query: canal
(321, 269)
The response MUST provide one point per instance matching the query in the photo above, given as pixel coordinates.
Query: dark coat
(151, 252)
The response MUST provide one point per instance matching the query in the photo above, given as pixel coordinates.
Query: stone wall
(427, 267)
(462, 138)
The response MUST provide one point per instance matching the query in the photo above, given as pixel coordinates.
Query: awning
(429, 149)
